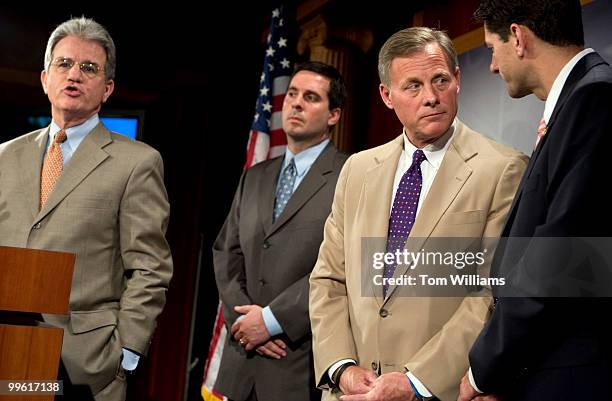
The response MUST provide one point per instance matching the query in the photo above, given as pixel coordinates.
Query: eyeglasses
(89, 68)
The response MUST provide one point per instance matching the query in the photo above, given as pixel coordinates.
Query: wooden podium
(31, 282)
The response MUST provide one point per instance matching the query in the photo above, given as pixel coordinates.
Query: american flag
(266, 139)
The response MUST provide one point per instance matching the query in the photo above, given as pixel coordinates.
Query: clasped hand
(360, 384)
(251, 332)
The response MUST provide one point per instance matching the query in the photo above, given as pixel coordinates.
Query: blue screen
(127, 126)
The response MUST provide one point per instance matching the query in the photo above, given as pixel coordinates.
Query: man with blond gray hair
(439, 178)
(76, 187)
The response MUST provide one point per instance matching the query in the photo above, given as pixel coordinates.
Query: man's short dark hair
(337, 90)
(558, 22)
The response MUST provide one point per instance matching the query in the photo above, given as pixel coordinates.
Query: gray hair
(86, 29)
(409, 41)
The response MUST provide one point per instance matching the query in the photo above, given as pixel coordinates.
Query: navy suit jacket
(539, 347)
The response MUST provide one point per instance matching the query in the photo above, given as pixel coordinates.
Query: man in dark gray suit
(269, 243)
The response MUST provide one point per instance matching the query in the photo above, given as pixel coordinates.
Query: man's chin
(517, 93)
(436, 129)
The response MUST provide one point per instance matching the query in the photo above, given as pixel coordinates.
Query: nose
(75, 73)
(430, 96)
(296, 102)
(493, 67)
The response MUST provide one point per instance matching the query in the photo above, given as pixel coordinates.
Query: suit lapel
(578, 72)
(450, 178)
(30, 157)
(376, 201)
(310, 185)
(85, 159)
(267, 193)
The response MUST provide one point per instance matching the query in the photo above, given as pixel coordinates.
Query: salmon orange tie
(52, 167)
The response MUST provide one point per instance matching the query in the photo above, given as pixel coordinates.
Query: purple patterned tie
(404, 210)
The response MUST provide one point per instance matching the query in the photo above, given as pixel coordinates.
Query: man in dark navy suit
(536, 346)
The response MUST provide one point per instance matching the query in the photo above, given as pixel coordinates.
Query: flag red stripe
(277, 137)
(277, 102)
(219, 322)
(251, 148)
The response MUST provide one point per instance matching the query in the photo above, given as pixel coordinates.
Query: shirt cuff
(418, 386)
(332, 369)
(274, 328)
(130, 360)
(472, 381)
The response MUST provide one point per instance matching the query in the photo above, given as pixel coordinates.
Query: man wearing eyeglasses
(77, 187)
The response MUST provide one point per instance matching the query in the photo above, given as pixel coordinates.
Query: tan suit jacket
(430, 336)
(110, 208)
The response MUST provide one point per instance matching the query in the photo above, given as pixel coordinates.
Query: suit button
(266, 245)
(374, 365)
(262, 282)
(383, 313)
(37, 226)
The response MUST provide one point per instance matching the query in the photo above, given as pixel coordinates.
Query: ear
(457, 75)
(518, 34)
(110, 86)
(334, 116)
(385, 94)
(43, 80)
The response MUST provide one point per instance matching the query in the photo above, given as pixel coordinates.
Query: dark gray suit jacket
(264, 263)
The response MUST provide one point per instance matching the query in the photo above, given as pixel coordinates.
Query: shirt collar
(434, 152)
(305, 158)
(557, 86)
(74, 135)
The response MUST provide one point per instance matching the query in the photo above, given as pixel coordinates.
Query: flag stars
(276, 13)
(264, 91)
(267, 106)
(285, 63)
(282, 42)
(270, 51)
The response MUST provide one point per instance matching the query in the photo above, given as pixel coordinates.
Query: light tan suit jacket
(110, 208)
(430, 336)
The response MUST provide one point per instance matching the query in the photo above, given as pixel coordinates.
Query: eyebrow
(70, 58)
(306, 91)
(409, 80)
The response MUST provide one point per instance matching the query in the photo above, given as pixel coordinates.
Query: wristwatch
(338, 373)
